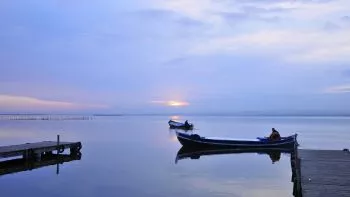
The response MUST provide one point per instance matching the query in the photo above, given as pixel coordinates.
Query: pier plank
(325, 173)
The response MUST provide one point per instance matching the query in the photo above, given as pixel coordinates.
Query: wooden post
(37, 156)
(58, 144)
(58, 152)
(58, 168)
(26, 154)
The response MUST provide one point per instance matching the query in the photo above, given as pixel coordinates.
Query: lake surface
(135, 156)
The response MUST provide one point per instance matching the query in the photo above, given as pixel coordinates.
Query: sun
(177, 103)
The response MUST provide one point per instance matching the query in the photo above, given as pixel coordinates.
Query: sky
(174, 56)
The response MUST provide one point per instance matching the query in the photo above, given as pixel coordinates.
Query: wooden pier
(324, 173)
(34, 151)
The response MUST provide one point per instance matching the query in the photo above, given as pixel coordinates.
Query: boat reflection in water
(21, 165)
(196, 153)
(273, 153)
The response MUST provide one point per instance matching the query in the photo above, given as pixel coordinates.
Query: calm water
(135, 156)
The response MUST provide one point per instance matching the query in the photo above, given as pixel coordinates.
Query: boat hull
(196, 141)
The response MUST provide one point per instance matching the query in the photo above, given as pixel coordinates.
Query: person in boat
(187, 124)
(275, 135)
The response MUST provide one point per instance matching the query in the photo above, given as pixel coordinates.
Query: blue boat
(179, 125)
(196, 141)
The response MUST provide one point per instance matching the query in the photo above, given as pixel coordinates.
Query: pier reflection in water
(273, 154)
(21, 165)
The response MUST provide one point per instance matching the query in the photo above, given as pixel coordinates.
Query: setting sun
(177, 103)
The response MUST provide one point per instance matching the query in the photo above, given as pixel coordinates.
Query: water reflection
(274, 154)
(187, 152)
(21, 165)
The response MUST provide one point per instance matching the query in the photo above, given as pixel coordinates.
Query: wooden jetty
(324, 173)
(20, 165)
(37, 150)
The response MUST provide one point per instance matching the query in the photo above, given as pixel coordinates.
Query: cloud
(209, 11)
(66, 53)
(295, 46)
(218, 13)
(310, 10)
(161, 14)
(239, 17)
(338, 89)
(21, 103)
(346, 19)
(331, 26)
(313, 35)
(346, 73)
(205, 11)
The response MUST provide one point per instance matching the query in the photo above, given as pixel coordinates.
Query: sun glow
(172, 103)
(177, 103)
(174, 117)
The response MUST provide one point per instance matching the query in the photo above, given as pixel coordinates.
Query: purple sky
(150, 56)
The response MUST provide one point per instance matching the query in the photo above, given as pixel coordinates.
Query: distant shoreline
(178, 114)
(43, 117)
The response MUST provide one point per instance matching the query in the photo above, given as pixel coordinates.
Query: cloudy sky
(155, 56)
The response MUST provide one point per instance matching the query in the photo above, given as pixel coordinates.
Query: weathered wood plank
(323, 155)
(325, 173)
(31, 146)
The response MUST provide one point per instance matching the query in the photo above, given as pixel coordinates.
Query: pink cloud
(10, 102)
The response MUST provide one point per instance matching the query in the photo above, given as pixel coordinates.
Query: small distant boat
(179, 125)
(194, 140)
